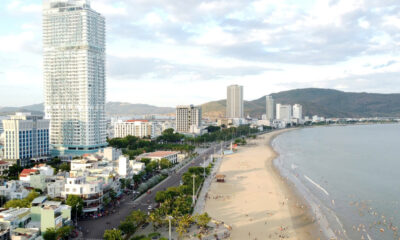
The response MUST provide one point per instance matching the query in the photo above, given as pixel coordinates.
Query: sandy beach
(255, 201)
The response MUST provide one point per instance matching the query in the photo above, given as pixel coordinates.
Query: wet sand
(255, 200)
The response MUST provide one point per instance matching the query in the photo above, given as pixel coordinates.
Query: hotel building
(74, 76)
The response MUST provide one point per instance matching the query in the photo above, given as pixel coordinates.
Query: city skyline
(346, 45)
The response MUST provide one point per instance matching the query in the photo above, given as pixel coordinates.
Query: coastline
(256, 200)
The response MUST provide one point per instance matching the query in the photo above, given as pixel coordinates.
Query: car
(150, 208)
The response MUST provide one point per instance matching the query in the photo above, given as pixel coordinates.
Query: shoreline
(251, 179)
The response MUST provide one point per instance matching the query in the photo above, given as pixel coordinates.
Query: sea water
(350, 176)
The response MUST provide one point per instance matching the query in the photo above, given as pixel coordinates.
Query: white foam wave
(317, 185)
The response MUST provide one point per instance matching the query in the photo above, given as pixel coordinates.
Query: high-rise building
(298, 111)
(234, 102)
(26, 138)
(270, 108)
(187, 118)
(137, 128)
(284, 112)
(74, 76)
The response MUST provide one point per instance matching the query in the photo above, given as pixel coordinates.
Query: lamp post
(169, 223)
(193, 198)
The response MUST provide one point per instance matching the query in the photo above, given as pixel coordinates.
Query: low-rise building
(90, 189)
(157, 156)
(16, 217)
(83, 164)
(111, 154)
(44, 169)
(26, 174)
(25, 234)
(13, 190)
(49, 214)
(137, 167)
(55, 186)
(124, 168)
(4, 166)
(5, 231)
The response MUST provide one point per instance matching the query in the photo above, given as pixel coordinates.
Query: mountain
(35, 108)
(323, 102)
(123, 109)
(112, 109)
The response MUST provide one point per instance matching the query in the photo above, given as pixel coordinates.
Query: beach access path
(255, 200)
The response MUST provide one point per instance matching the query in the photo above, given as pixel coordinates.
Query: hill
(323, 102)
(112, 109)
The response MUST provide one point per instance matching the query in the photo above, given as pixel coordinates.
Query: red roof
(137, 121)
(160, 154)
(27, 172)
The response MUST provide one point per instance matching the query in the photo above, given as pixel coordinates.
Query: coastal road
(94, 228)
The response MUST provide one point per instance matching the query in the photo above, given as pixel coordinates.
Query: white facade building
(26, 137)
(270, 108)
(74, 76)
(55, 187)
(157, 156)
(137, 128)
(234, 102)
(186, 117)
(90, 191)
(13, 190)
(124, 167)
(298, 111)
(284, 112)
(111, 154)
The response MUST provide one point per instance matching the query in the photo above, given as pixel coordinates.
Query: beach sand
(255, 200)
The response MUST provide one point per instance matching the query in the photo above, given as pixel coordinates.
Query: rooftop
(27, 172)
(160, 154)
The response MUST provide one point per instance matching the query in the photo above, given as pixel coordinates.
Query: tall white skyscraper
(74, 76)
(298, 111)
(187, 118)
(270, 108)
(234, 102)
(283, 112)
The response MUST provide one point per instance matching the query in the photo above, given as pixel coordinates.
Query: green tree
(76, 204)
(112, 194)
(50, 234)
(202, 220)
(183, 224)
(14, 171)
(64, 232)
(137, 217)
(114, 234)
(145, 161)
(127, 227)
(151, 166)
(165, 163)
(22, 203)
(65, 167)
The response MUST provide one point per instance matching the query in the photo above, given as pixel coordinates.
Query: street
(94, 228)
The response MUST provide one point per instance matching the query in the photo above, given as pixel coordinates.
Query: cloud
(188, 46)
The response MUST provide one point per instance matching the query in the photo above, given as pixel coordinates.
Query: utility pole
(194, 198)
(169, 223)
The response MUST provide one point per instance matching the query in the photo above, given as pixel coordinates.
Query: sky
(170, 52)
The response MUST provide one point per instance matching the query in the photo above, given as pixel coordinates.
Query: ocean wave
(317, 185)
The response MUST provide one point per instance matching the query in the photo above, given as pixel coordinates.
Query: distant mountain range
(322, 102)
(315, 101)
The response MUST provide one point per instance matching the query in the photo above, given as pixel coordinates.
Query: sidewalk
(201, 201)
